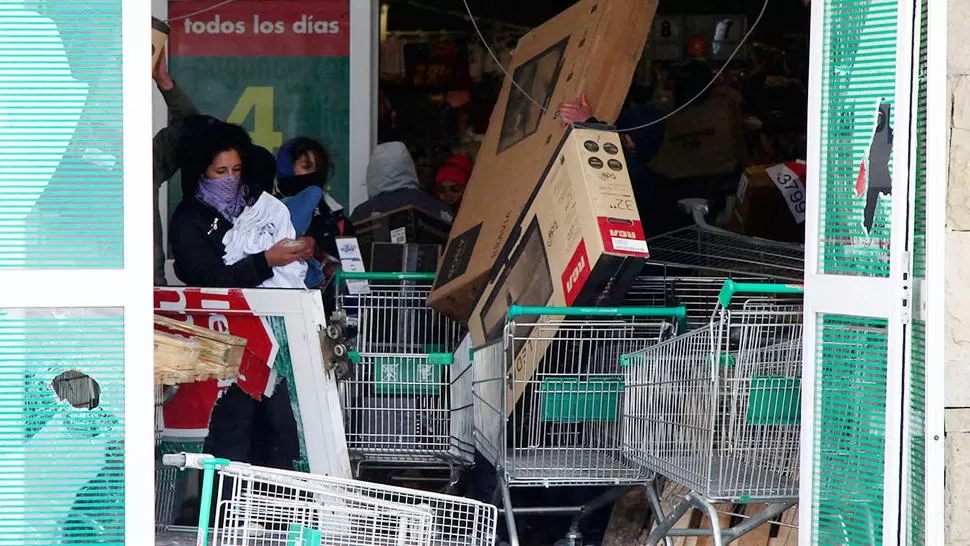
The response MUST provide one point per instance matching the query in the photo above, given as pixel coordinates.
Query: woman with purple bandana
(215, 190)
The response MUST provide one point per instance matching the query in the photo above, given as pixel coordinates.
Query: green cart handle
(731, 288)
(380, 276)
(209, 466)
(672, 312)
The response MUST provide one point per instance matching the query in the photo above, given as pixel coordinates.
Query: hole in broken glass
(77, 389)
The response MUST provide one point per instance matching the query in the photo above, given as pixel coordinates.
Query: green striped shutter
(62, 426)
(63, 341)
(60, 135)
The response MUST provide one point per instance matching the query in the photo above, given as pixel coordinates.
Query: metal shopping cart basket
(256, 506)
(407, 399)
(548, 398)
(717, 409)
(719, 252)
(166, 478)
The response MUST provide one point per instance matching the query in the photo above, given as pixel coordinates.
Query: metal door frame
(886, 298)
(129, 288)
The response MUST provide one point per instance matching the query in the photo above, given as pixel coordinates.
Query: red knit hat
(457, 169)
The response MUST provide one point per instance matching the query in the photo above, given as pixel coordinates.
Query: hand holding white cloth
(258, 228)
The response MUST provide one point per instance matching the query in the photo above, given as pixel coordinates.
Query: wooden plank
(761, 534)
(669, 498)
(185, 353)
(705, 523)
(629, 515)
(787, 533)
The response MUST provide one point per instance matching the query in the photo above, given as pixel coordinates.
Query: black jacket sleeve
(198, 260)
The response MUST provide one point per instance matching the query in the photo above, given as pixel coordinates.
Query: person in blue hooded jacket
(303, 168)
(392, 183)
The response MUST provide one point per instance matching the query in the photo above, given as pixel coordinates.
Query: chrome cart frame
(257, 506)
(166, 478)
(407, 399)
(717, 409)
(561, 426)
(710, 249)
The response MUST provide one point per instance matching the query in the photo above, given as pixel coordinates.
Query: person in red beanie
(451, 179)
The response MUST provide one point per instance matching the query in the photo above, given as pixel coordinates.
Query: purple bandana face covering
(225, 195)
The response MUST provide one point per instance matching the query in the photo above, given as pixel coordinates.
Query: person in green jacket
(166, 149)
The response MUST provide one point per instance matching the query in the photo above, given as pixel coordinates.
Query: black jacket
(196, 233)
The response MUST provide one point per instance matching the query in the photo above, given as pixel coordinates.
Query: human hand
(575, 112)
(284, 252)
(309, 247)
(161, 76)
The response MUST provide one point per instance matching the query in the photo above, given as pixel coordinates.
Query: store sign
(225, 311)
(281, 69)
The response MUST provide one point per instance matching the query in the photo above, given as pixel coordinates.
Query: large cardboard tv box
(579, 242)
(591, 48)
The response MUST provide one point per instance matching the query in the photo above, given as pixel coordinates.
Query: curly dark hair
(201, 147)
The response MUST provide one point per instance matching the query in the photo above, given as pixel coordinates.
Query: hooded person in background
(451, 179)
(392, 183)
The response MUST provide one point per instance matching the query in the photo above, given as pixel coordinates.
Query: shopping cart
(717, 409)
(408, 398)
(698, 295)
(566, 428)
(715, 251)
(256, 506)
(166, 478)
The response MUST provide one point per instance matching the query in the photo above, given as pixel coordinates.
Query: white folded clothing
(258, 228)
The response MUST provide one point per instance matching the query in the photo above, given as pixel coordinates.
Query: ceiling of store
(781, 16)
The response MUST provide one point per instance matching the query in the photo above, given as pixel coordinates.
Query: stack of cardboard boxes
(548, 217)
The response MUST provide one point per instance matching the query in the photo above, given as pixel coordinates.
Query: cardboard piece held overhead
(590, 49)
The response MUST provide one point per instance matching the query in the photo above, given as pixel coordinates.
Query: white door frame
(128, 288)
(858, 296)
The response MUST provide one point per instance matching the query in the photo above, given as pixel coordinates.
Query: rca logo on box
(623, 236)
(576, 273)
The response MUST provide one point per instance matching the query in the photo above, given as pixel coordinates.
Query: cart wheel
(340, 350)
(341, 369)
(335, 332)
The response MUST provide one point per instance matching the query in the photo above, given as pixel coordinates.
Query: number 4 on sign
(259, 101)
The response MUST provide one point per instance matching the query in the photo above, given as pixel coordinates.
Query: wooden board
(185, 353)
(626, 522)
(761, 534)
(785, 535)
(788, 533)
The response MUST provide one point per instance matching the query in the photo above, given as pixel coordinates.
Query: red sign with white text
(260, 28)
(219, 310)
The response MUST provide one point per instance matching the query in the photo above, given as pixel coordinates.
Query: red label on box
(260, 28)
(623, 236)
(576, 273)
